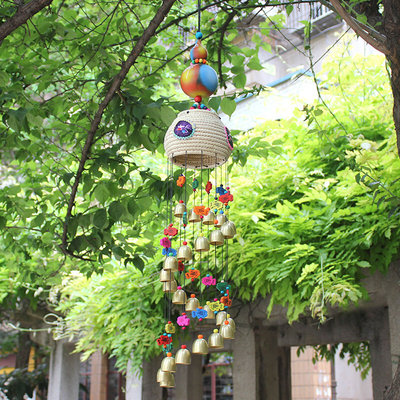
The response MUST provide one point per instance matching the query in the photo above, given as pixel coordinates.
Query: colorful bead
(199, 80)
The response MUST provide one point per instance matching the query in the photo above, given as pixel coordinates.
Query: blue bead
(199, 35)
(169, 335)
(221, 212)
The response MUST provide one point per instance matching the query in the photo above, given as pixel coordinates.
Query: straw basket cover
(198, 139)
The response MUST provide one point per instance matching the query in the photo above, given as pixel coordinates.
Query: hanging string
(198, 15)
(184, 229)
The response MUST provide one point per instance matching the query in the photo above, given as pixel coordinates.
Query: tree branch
(116, 83)
(21, 16)
(374, 42)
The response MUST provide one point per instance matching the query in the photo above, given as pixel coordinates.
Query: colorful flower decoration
(201, 210)
(226, 198)
(226, 301)
(170, 327)
(169, 252)
(181, 266)
(208, 280)
(223, 286)
(208, 187)
(170, 231)
(181, 181)
(215, 305)
(184, 130)
(195, 184)
(192, 274)
(165, 242)
(164, 340)
(220, 190)
(183, 321)
(200, 313)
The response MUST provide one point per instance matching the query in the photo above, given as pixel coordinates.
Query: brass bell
(216, 341)
(184, 253)
(168, 380)
(171, 264)
(210, 313)
(231, 322)
(200, 346)
(193, 217)
(221, 317)
(170, 287)
(217, 238)
(168, 363)
(202, 244)
(183, 356)
(209, 218)
(166, 276)
(161, 375)
(179, 296)
(180, 208)
(221, 219)
(192, 304)
(228, 229)
(227, 331)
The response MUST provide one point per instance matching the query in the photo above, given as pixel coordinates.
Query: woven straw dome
(198, 139)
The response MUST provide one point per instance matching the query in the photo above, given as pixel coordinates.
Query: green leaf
(254, 64)
(3, 222)
(101, 193)
(47, 237)
(116, 210)
(100, 218)
(228, 106)
(239, 81)
(167, 115)
(214, 103)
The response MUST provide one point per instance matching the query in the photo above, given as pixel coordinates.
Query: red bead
(198, 99)
(200, 319)
(181, 201)
(183, 328)
(169, 322)
(185, 243)
(201, 216)
(183, 346)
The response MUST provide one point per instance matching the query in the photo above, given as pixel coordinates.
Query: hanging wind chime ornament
(195, 242)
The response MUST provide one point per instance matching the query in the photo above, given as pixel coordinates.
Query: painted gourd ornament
(199, 79)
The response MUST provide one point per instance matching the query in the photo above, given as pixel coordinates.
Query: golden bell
(216, 238)
(161, 375)
(200, 346)
(209, 218)
(184, 253)
(192, 304)
(166, 276)
(221, 317)
(231, 322)
(216, 341)
(227, 331)
(170, 287)
(180, 208)
(228, 229)
(179, 296)
(168, 363)
(171, 264)
(210, 313)
(202, 244)
(221, 219)
(168, 380)
(183, 356)
(193, 217)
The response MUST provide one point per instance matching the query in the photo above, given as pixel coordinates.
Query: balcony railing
(321, 17)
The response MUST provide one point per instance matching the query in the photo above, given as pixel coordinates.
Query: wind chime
(198, 227)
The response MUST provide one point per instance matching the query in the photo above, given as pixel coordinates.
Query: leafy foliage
(308, 230)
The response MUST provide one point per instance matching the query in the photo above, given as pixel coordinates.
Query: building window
(218, 377)
(115, 382)
(84, 380)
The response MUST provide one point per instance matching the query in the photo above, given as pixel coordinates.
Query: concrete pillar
(189, 380)
(245, 383)
(98, 376)
(150, 388)
(63, 372)
(273, 366)
(392, 290)
(133, 384)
